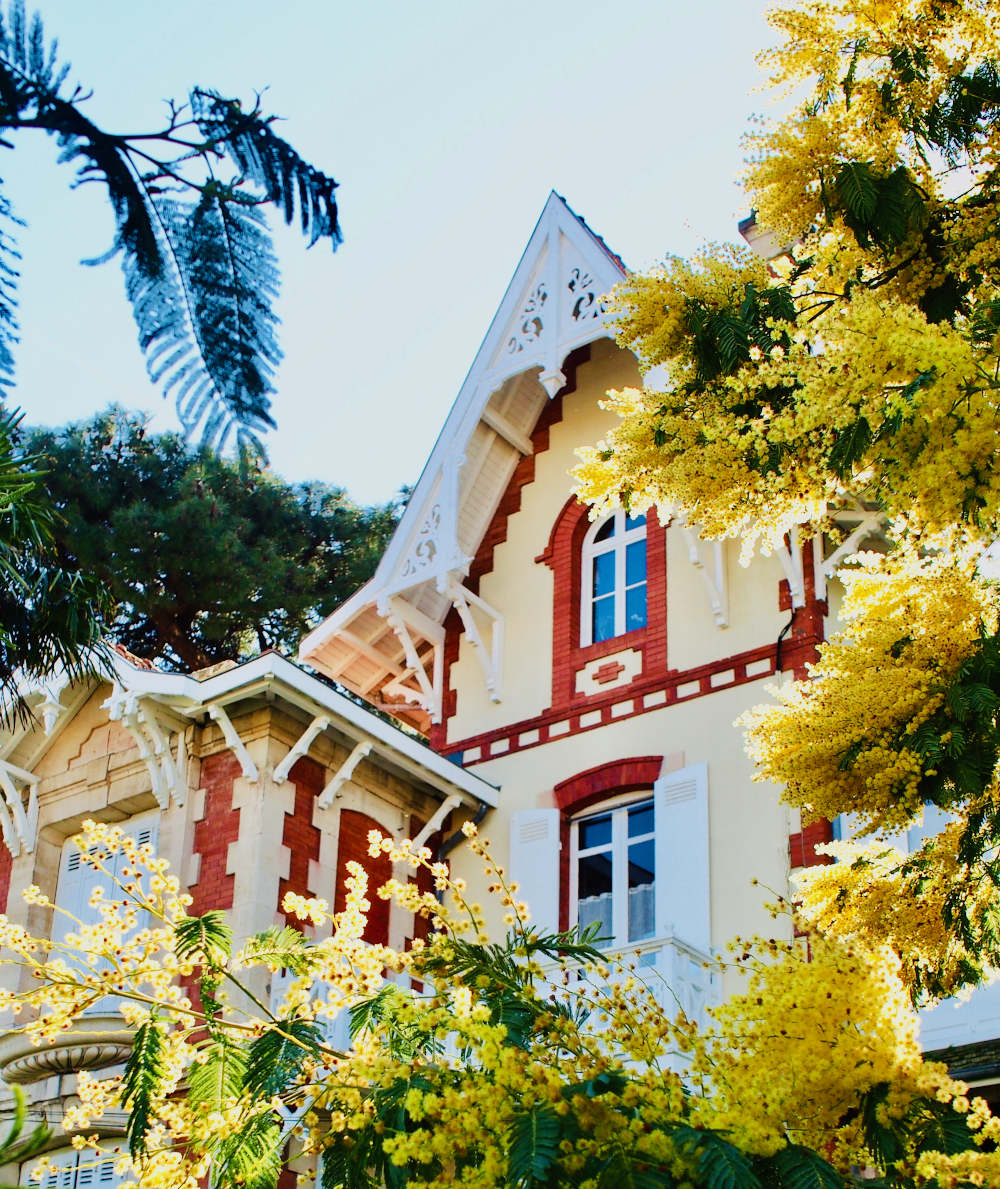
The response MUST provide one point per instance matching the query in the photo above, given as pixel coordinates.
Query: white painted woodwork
(300, 748)
(70, 1169)
(534, 864)
(344, 773)
(680, 801)
(18, 813)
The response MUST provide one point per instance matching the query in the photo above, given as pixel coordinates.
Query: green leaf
(534, 1146)
(796, 1167)
(856, 187)
(276, 1056)
(219, 1078)
(14, 1149)
(721, 1165)
(882, 1141)
(850, 447)
(251, 1158)
(280, 947)
(207, 937)
(369, 1013)
(142, 1080)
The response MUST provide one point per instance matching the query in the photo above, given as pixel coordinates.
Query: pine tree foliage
(201, 558)
(200, 272)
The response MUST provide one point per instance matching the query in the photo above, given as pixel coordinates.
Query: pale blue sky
(446, 123)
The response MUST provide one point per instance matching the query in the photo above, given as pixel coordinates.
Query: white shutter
(75, 1170)
(534, 864)
(682, 876)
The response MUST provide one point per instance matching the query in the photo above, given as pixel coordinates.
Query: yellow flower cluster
(837, 743)
(584, 1043)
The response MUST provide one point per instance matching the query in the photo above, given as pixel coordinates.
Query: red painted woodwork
(6, 865)
(219, 826)
(496, 534)
(802, 845)
(300, 835)
(352, 846)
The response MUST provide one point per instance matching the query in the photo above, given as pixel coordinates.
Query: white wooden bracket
(301, 748)
(18, 822)
(491, 657)
(790, 556)
(404, 619)
(442, 811)
(870, 526)
(235, 743)
(509, 432)
(138, 716)
(344, 773)
(714, 578)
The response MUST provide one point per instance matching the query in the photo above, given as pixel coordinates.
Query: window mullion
(619, 583)
(619, 876)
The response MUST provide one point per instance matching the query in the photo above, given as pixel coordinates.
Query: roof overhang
(386, 642)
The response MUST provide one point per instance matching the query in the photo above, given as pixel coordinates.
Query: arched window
(613, 572)
(612, 871)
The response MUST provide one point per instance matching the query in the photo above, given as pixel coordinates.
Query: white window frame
(618, 807)
(617, 544)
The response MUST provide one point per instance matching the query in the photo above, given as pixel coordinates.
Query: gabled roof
(152, 705)
(386, 640)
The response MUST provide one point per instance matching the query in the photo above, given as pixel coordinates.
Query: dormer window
(613, 570)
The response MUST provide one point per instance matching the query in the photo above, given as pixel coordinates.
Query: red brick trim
(624, 702)
(299, 834)
(618, 776)
(6, 866)
(219, 826)
(496, 534)
(352, 846)
(562, 555)
(802, 845)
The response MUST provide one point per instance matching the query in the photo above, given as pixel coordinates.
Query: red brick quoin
(802, 845)
(212, 835)
(577, 793)
(300, 835)
(562, 556)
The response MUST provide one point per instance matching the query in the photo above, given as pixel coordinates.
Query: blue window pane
(596, 831)
(641, 902)
(604, 574)
(640, 820)
(635, 608)
(634, 522)
(604, 617)
(635, 563)
(606, 530)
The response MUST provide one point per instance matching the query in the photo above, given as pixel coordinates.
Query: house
(570, 684)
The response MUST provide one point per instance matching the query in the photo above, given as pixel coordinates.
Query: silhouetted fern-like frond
(270, 163)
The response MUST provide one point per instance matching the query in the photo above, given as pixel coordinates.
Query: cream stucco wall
(522, 589)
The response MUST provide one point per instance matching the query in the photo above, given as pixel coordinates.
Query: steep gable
(387, 641)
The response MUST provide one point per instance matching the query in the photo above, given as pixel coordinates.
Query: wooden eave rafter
(552, 306)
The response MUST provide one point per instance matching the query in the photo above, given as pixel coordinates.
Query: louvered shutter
(76, 1170)
(534, 864)
(77, 881)
(682, 876)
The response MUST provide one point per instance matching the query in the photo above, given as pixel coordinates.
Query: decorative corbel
(869, 526)
(18, 822)
(404, 618)
(301, 747)
(344, 773)
(491, 658)
(138, 716)
(715, 581)
(790, 556)
(235, 743)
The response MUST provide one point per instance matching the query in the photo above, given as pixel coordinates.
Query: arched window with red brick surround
(626, 845)
(594, 568)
